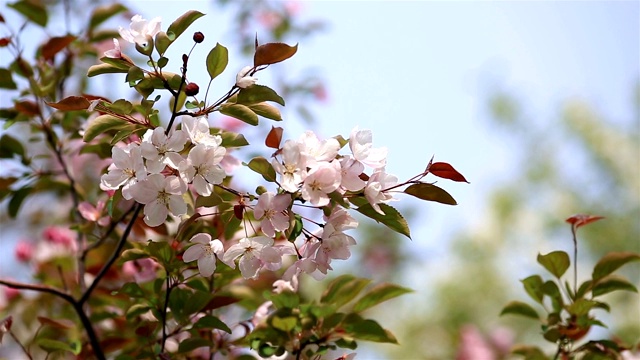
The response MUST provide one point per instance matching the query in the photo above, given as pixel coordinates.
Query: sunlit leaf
(162, 42)
(556, 262)
(533, 287)
(430, 192)
(612, 283)
(272, 53)
(101, 124)
(257, 94)
(51, 345)
(285, 324)
(446, 171)
(529, 352)
(182, 23)
(266, 110)
(343, 289)
(379, 294)
(520, 308)
(62, 324)
(55, 45)
(217, 60)
(240, 112)
(611, 262)
(391, 218)
(70, 103)
(263, 167)
(581, 307)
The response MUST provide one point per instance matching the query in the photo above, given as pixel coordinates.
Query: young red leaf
(71, 103)
(5, 41)
(274, 137)
(446, 171)
(55, 45)
(583, 219)
(272, 53)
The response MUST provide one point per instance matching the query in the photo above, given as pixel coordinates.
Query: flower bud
(198, 37)
(191, 89)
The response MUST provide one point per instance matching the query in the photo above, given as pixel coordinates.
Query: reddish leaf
(27, 107)
(446, 171)
(583, 219)
(55, 45)
(238, 211)
(5, 41)
(63, 324)
(71, 103)
(272, 53)
(274, 137)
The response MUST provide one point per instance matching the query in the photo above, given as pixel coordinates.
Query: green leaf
(240, 112)
(132, 289)
(211, 322)
(17, 199)
(391, 218)
(551, 289)
(343, 289)
(263, 167)
(231, 139)
(192, 344)
(581, 307)
(368, 330)
(136, 310)
(611, 262)
(102, 124)
(265, 110)
(533, 287)
(285, 324)
(50, 345)
(379, 294)
(161, 251)
(257, 94)
(10, 146)
(520, 308)
(612, 283)
(209, 201)
(296, 229)
(430, 192)
(217, 60)
(6, 80)
(109, 66)
(162, 42)
(556, 262)
(182, 23)
(103, 13)
(32, 10)
(529, 352)
(133, 254)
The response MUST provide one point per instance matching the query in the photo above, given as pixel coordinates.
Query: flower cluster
(310, 170)
(146, 172)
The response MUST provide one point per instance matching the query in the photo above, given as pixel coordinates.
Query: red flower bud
(198, 37)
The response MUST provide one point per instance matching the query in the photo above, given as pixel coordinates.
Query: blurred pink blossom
(24, 250)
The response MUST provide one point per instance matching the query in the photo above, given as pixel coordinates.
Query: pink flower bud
(24, 251)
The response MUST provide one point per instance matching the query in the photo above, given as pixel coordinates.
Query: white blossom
(161, 150)
(114, 53)
(206, 251)
(126, 170)
(293, 169)
(375, 192)
(202, 167)
(139, 29)
(242, 80)
(270, 209)
(254, 252)
(361, 144)
(198, 131)
(161, 196)
(320, 182)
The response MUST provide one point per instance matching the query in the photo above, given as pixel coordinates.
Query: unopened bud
(198, 37)
(191, 89)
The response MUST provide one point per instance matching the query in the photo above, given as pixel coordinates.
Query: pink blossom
(139, 29)
(270, 208)
(376, 190)
(59, 235)
(320, 182)
(24, 250)
(142, 270)
(91, 213)
(361, 144)
(114, 53)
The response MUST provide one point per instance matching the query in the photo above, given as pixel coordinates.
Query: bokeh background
(536, 103)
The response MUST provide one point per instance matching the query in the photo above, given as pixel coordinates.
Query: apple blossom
(126, 170)
(316, 150)
(375, 192)
(270, 209)
(350, 170)
(242, 80)
(94, 213)
(197, 129)
(334, 245)
(206, 251)
(161, 197)
(139, 29)
(24, 251)
(293, 169)
(255, 251)
(161, 150)
(114, 53)
(341, 220)
(321, 181)
(360, 142)
(202, 168)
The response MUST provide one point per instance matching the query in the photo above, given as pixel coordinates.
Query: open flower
(161, 196)
(160, 149)
(139, 29)
(375, 191)
(197, 128)
(255, 252)
(126, 170)
(320, 182)
(361, 144)
(206, 251)
(242, 80)
(202, 168)
(270, 209)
